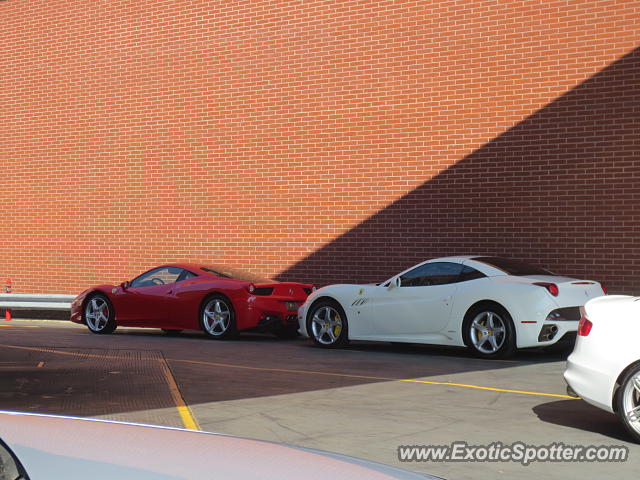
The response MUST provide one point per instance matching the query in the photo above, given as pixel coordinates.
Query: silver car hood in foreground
(56, 448)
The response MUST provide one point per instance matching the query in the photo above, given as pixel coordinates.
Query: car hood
(53, 447)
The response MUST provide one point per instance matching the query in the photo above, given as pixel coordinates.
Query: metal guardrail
(31, 301)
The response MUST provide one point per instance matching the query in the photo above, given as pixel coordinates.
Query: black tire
(286, 333)
(99, 315)
(172, 332)
(477, 334)
(628, 398)
(225, 327)
(328, 314)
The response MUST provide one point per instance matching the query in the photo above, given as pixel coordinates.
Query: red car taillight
(552, 288)
(263, 291)
(584, 327)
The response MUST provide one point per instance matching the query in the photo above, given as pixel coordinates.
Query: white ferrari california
(491, 305)
(604, 368)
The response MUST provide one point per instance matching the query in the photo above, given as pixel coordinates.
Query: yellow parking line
(366, 377)
(41, 320)
(183, 409)
(491, 389)
(61, 352)
(186, 416)
(21, 326)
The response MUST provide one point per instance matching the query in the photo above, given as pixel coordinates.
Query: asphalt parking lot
(365, 400)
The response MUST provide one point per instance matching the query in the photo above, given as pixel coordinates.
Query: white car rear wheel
(628, 402)
(488, 331)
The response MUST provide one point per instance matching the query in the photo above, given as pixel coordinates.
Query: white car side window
(438, 273)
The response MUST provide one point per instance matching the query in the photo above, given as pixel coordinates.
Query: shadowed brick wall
(317, 140)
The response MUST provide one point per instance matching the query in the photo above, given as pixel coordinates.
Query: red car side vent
(552, 288)
(263, 291)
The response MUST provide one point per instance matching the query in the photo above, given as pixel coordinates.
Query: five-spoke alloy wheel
(217, 317)
(327, 324)
(628, 401)
(488, 331)
(99, 314)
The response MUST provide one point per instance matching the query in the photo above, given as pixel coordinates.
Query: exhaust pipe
(547, 333)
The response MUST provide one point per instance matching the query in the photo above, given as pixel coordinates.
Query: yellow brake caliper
(338, 328)
(481, 333)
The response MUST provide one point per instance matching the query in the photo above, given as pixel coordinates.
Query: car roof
(454, 259)
(485, 268)
(186, 266)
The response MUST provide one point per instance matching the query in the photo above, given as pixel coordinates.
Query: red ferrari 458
(218, 300)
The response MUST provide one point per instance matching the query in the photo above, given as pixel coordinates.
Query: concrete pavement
(363, 401)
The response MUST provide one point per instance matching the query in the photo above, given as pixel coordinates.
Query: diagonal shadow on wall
(560, 189)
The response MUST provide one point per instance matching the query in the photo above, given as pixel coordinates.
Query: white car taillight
(552, 288)
(584, 326)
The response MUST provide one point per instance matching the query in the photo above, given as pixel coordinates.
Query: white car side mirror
(395, 283)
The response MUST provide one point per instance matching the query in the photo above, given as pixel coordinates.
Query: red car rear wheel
(217, 317)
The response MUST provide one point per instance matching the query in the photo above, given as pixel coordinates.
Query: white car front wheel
(327, 324)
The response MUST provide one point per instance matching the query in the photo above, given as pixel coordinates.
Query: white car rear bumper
(528, 334)
(594, 385)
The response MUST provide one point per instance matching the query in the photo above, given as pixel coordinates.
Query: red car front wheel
(99, 314)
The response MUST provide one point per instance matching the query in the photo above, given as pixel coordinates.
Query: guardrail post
(7, 289)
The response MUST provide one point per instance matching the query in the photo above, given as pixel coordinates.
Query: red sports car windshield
(227, 272)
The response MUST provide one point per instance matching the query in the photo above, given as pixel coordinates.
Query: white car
(46, 447)
(492, 305)
(604, 368)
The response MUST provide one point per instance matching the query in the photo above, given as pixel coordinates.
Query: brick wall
(317, 140)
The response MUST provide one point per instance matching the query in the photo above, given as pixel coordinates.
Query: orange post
(7, 312)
